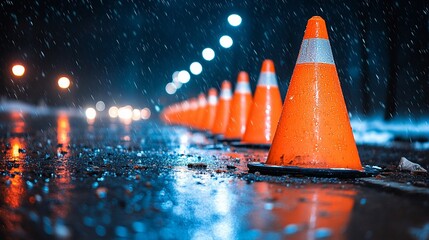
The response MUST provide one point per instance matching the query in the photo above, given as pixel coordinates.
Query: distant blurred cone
(193, 113)
(210, 110)
(314, 133)
(202, 105)
(240, 107)
(223, 109)
(266, 108)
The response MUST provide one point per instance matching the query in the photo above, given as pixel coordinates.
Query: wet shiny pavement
(63, 178)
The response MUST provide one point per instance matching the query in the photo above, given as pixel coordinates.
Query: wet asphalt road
(62, 178)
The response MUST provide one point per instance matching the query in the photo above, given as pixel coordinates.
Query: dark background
(124, 52)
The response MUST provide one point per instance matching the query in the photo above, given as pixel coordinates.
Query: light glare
(196, 68)
(170, 88)
(225, 41)
(184, 76)
(90, 113)
(125, 113)
(100, 106)
(136, 114)
(145, 113)
(234, 20)
(113, 112)
(63, 82)
(18, 70)
(208, 54)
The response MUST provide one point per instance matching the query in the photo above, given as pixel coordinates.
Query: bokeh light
(90, 113)
(100, 106)
(170, 88)
(18, 70)
(208, 54)
(64, 82)
(184, 76)
(136, 114)
(174, 77)
(145, 113)
(177, 84)
(225, 41)
(196, 68)
(125, 113)
(234, 20)
(113, 112)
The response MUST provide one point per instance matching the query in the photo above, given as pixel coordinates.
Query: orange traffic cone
(185, 112)
(240, 107)
(210, 111)
(193, 113)
(223, 109)
(266, 108)
(202, 105)
(314, 135)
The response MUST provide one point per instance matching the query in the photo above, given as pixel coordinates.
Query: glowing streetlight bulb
(226, 41)
(184, 76)
(18, 70)
(90, 113)
(208, 54)
(234, 20)
(100, 106)
(64, 82)
(196, 68)
(113, 112)
(170, 88)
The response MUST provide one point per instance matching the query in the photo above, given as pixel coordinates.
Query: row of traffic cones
(234, 117)
(313, 135)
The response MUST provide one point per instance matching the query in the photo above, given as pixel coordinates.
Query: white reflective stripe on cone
(202, 102)
(212, 100)
(226, 94)
(315, 50)
(267, 79)
(242, 87)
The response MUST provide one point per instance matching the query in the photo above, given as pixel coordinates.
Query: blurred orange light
(64, 82)
(145, 113)
(18, 70)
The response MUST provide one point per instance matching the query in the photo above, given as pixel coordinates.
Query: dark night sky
(125, 51)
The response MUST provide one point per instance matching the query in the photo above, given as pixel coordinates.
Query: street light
(234, 20)
(196, 68)
(225, 41)
(208, 54)
(18, 70)
(64, 82)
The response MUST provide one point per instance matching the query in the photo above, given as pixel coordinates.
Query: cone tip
(243, 77)
(212, 92)
(316, 28)
(268, 66)
(226, 84)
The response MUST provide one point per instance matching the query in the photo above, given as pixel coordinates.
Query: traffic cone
(185, 112)
(202, 105)
(314, 135)
(240, 107)
(210, 111)
(266, 108)
(193, 113)
(223, 109)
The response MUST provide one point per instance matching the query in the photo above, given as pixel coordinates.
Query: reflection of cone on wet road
(210, 110)
(314, 131)
(240, 107)
(202, 105)
(223, 109)
(266, 108)
(307, 212)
